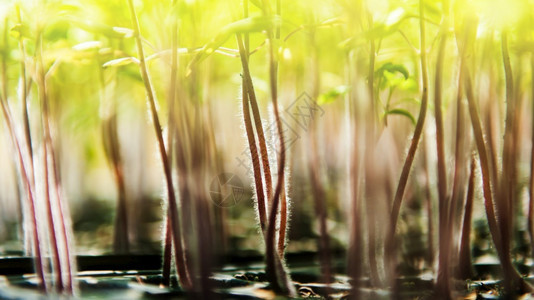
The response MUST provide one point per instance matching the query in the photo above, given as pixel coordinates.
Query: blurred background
(87, 49)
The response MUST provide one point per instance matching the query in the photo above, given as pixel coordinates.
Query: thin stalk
(170, 134)
(513, 279)
(184, 278)
(121, 243)
(492, 118)
(354, 266)
(465, 268)
(24, 99)
(319, 193)
(248, 89)
(354, 269)
(283, 206)
(283, 224)
(276, 272)
(112, 147)
(483, 157)
(445, 238)
(262, 143)
(5, 91)
(47, 150)
(531, 182)
(28, 185)
(259, 131)
(429, 209)
(64, 223)
(167, 252)
(371, 75)
(50, 219)
(320, 208)
(458, 187)
(24, 96)
(36, 238)
(371, 137)
(507, 190)
(403, 180)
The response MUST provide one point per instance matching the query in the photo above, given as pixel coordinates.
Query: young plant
(512, 279)
(173, 227)
(445, 230)
(403, 180)
(29, 187)
(121, 243)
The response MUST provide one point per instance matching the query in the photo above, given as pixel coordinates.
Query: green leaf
(20, 30)
(248, 25)
(121, 62)
(392, 68)
(409, 85)
(333, 94)
(387, 75)
(402, 112)
(90, 45)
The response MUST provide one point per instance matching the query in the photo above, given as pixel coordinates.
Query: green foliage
(387, 76)
(248, 25)
(401, 112)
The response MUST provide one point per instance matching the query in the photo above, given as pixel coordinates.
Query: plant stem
(319, 194)
(445, 230)
(184, 278)
(28, 184)
(371, 75)
(531, 182)
(513, 280)
(465, 269)
(354, 265)
(507, 190)
(429, 210)
(248, 89)
(24, 97)
(167, 248)
(112, 148)
(276, 272)
(371, 139)
(283, 197)
(403, 180)
(483, 157)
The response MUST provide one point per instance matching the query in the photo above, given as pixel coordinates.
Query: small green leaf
(121, 62)
(409, 85)
(402, 112)
(392, 68)
(248, 25)
(126, 32)
(20, 30)
(90, 45)
(333, 94)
